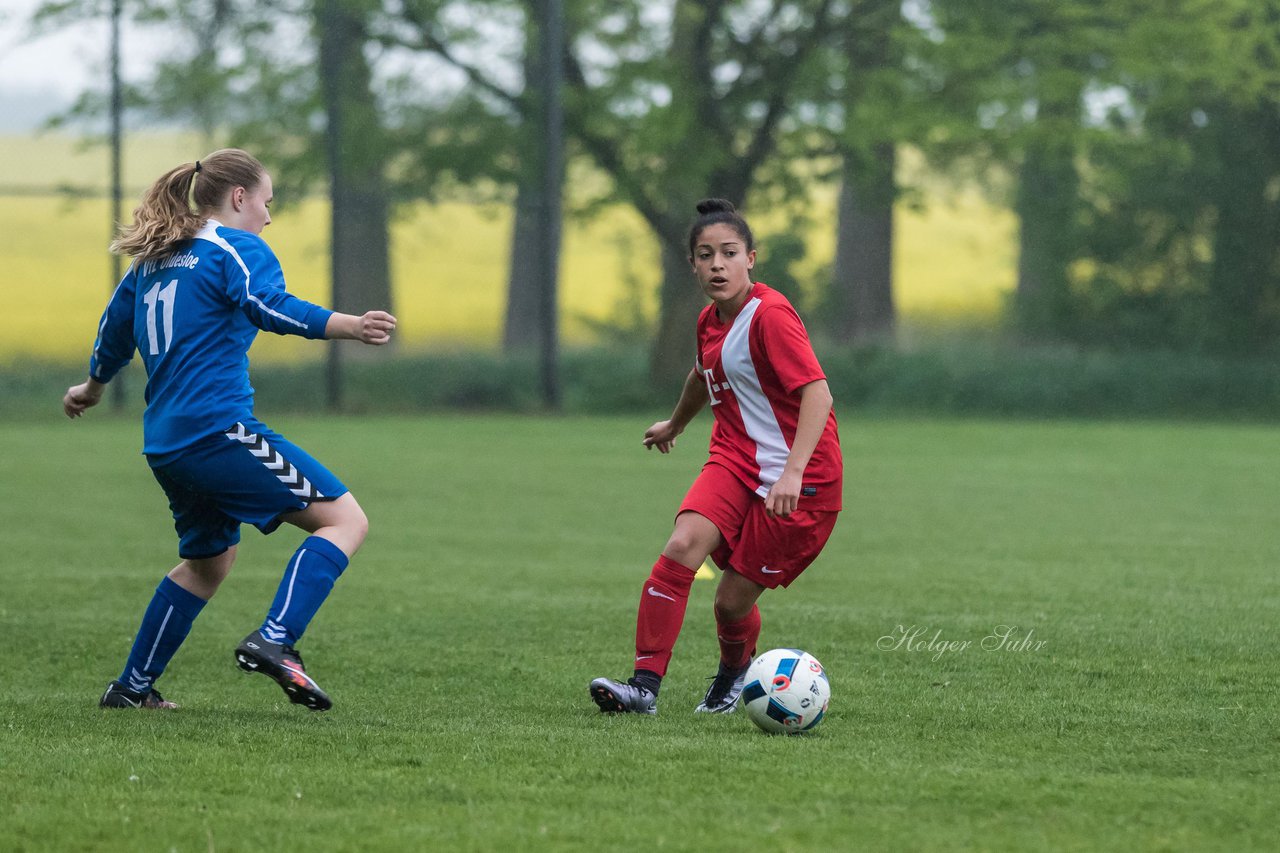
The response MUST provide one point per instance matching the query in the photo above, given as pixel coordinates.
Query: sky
(40, 75)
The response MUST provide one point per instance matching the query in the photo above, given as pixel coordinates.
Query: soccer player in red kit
(767, 499)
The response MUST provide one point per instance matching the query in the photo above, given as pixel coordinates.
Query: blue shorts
(247, 475)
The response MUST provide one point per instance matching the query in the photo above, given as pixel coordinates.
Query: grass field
(501, 575)
(954, 256)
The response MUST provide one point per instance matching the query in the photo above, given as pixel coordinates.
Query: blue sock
(311, 574)
(165, 625)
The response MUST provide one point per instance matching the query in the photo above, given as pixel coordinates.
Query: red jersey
(753, 367)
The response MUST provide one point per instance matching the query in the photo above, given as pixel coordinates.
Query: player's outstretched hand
(661, 435)
(375, 328)
(80, 397)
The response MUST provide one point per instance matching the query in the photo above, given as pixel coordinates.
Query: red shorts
(770, 551)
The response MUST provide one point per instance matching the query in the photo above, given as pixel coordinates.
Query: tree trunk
(1244, 287)
(520, 330)
(674, 346)
(524, 305)
(863, 278)
(700, 164)
(119, 388)
(359, 250)
(551, 162)
(532, 321)
(356, 159)
(1047, 197)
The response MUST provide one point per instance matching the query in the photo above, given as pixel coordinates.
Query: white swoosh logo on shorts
(769, 571)
(653, 591)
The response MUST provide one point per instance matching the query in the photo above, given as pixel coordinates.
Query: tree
(535, 242)
(1183, 225)
(1142, 139)
(686, 106)
(295, 81)
(870, 65)
(523, 316)
(356, 156)
(674, 103)
(193, 88)
(529, 149)
(1021, 70)
(53, 14)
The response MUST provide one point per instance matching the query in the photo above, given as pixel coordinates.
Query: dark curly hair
(717, 211)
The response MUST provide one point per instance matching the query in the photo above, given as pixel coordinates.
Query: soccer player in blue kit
(201, 285)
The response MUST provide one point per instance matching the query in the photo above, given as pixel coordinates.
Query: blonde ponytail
(177, 205)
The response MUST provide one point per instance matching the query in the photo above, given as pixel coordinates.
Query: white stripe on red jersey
(754, 368)
(758, 418)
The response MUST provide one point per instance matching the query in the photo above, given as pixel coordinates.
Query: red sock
(738, 639)
(662, 605)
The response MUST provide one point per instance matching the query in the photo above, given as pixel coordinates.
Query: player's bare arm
(815, 406)
(80, 397)
(693, 397)
(372, 327)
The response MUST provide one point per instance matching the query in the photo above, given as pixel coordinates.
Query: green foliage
(1180, 223)
(1144, 135)
(779, 255)
(501, 574)
(956, 378)
(1054, 382)
(630, 324)
(694, 105)
(1145, 139)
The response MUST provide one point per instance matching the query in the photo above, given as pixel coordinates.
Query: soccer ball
(786, 691)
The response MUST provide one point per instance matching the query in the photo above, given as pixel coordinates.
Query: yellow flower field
(954, 258)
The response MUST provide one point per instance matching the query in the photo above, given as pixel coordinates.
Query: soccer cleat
(722, 695)
(119, 696)
(284, 665)
(616, 697)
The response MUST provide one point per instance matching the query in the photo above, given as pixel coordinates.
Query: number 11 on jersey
(164, 296)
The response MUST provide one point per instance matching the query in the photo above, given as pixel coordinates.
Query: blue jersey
(192, 316)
